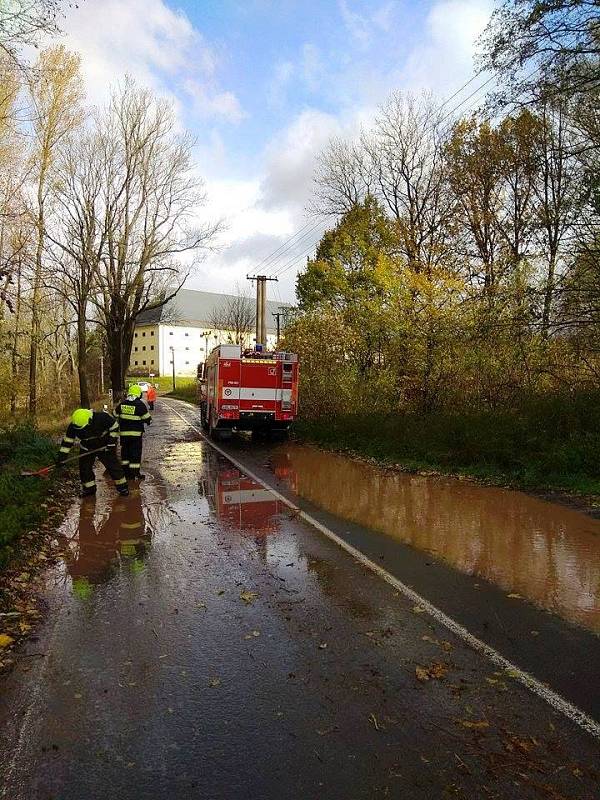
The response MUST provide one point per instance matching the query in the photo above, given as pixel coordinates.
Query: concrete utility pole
(261, 306)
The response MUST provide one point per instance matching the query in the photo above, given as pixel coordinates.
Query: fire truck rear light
(286, 405)
(287, 416)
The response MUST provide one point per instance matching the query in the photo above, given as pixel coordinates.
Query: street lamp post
(172, 349)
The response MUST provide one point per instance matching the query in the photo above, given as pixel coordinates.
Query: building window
(135, 334)
(187, 362)
(152, 361)
(143, 333)
(144, 347)
(187, 334)
(144, 363)
(135, 348)
(187, 348)
(170, 333)
(151, 347)
(151, 333)
(135, 362)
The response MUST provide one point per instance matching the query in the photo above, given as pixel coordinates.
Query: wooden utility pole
(277, 318)
(261, 306)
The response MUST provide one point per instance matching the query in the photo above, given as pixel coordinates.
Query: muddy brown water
(538, 550)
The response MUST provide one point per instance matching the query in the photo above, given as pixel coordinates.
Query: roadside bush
(546, 442)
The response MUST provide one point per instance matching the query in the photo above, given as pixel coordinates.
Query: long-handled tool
(43, 472)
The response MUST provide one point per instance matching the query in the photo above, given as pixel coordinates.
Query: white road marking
(555, 700)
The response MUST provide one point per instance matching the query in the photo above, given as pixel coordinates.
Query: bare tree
(344, 176)
(543, 49)
(151, 203)
(408, 148)
(24, 22)
(236, 316)
(79, 236)
(56, 92)
(559, 194)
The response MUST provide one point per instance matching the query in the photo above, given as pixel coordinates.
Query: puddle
(538, 550)
(237, 501)
(106, 533)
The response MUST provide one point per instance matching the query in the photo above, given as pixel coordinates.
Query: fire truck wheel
(279, 434)
(214, 433)
(203, 419)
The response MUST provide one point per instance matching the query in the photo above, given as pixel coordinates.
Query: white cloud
(290, 159)
(156, 45)
(224, 105)
(277, 91)
(357, 26)
(312, 66)
(445, 59)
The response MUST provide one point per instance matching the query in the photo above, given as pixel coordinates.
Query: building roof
(194, 308)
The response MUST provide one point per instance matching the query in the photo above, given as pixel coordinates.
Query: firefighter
(133, 417)
(151, 395)
(99, 431)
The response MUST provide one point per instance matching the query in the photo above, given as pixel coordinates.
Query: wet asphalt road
(205, 642)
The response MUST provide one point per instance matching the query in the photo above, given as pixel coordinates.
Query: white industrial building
(183, 329)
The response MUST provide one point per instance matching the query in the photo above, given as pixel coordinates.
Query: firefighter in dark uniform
(133, 416)
(95, 430)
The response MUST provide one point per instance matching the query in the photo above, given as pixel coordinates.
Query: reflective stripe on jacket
(101, 431)
(133, 416)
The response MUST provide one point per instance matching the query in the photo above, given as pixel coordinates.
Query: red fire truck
(248, 390)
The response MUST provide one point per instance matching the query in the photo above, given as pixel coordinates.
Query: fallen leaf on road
(466, 723)
(214, 682)
(436, 670)
(422, 674)
(323, 646)
(5, 640)
(515, 595)
(418, 610)
(373, 720)
(201, 605)
(248, 597)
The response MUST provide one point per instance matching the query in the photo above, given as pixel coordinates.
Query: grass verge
(21, 447)
(186, 388)
(546, 445)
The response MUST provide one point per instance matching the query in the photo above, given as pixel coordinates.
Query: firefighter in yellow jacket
(133, 416)
(97, 433)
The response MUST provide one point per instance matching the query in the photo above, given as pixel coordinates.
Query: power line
(309, 228)
(268, 258)
(293, 245)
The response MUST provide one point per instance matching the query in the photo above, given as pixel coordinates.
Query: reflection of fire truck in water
(248, 390)
(239, 502)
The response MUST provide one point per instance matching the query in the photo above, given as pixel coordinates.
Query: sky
(263, 85)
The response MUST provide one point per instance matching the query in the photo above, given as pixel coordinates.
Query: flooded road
(544, 552)
(203, 641)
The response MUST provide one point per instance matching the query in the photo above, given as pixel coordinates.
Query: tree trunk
(84, 393)
(548, 295)
(35, 301)
(117, 368)
(14, 358)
